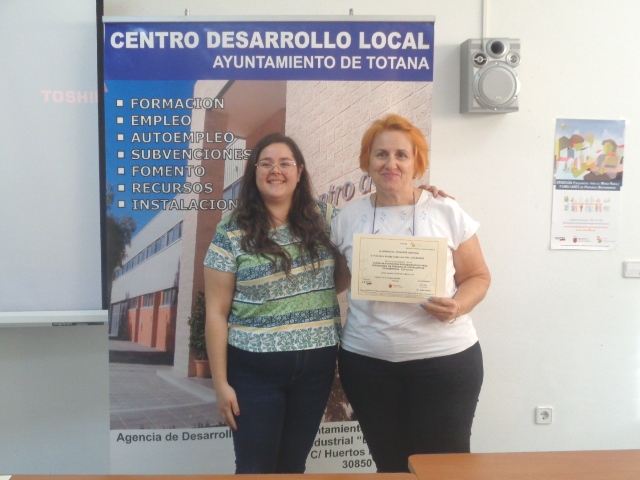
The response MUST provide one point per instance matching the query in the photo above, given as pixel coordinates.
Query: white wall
(558, 328)
(54, 400)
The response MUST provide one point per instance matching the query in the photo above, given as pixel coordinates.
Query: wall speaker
(489, 81)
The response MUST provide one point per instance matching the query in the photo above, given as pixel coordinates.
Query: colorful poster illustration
(589, 158)
(185, 101)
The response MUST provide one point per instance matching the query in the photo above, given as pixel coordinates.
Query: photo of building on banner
(587, 194)
(185, 103)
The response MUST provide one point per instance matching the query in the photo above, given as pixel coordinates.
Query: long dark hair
(305, 222)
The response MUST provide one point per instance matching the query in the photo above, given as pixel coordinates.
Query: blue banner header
(270, 50)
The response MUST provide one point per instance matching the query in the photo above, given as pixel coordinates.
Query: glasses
(285, 167)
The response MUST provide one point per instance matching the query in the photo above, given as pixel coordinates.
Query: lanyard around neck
(413, 218)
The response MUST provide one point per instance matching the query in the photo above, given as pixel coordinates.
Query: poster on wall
(185, 101)
(587, 193)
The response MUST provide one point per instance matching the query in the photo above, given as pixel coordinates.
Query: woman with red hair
(412, 372)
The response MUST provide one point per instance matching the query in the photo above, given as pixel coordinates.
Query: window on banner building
(147, 300)
(174, 234)
(168, 238)
(169, 297)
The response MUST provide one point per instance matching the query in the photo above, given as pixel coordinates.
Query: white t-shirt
(401, 331)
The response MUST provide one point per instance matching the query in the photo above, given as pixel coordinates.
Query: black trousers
(417, 406)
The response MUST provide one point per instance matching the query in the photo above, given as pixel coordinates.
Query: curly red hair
(397, 123)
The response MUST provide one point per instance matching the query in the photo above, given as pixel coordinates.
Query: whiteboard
(50, 250)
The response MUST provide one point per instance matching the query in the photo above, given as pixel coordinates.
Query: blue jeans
(282, 397)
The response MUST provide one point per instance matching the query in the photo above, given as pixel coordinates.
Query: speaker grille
(495, 85)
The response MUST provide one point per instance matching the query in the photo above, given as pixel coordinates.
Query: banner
(185, 101)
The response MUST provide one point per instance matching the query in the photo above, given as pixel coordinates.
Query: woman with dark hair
(273, 319)
(412, 372)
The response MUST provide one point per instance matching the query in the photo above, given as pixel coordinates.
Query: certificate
(398, 268)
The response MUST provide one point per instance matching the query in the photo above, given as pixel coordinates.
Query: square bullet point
(121, 204)
(120, 170)
(119, 120)
(121, 188)
(120, 137)
(120, 154)
(119, 103)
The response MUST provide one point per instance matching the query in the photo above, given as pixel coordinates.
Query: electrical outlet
(544, 415)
